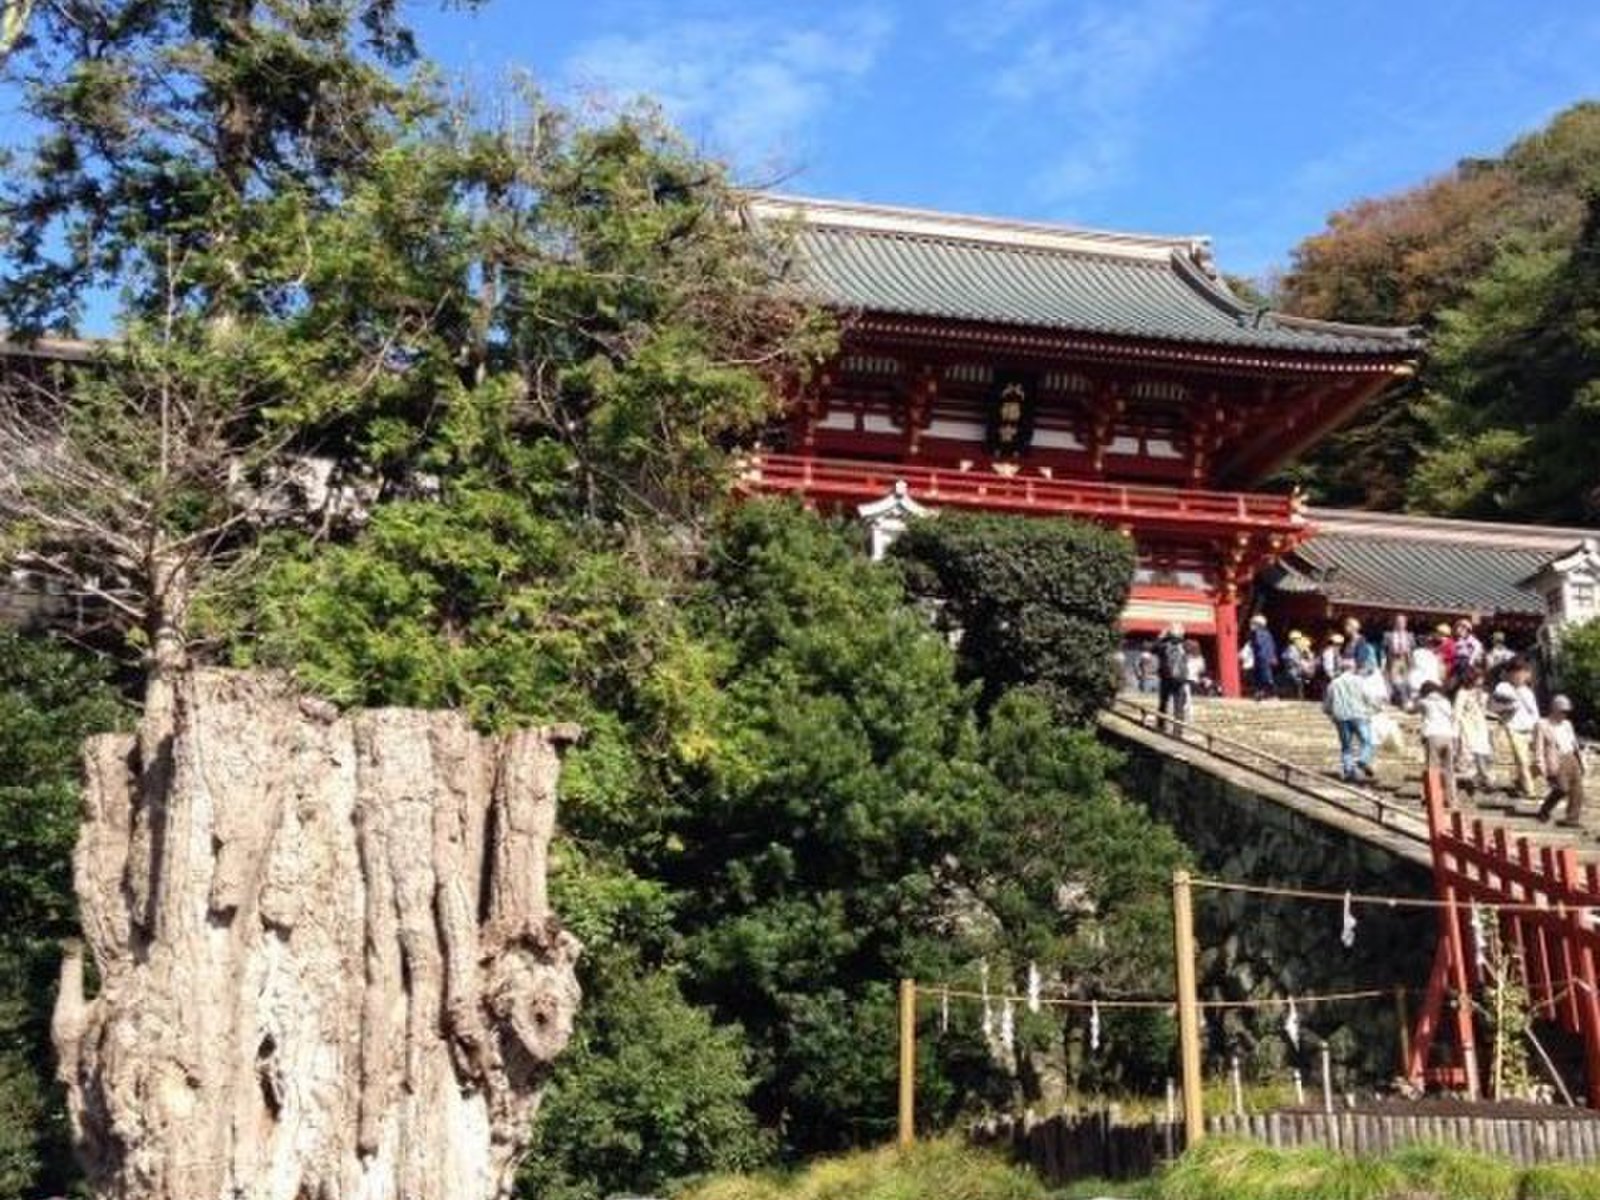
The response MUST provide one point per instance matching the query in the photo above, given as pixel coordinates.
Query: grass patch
(1224, 1169)
(1560, 1182)
(1220, 1169)
(946, 1169)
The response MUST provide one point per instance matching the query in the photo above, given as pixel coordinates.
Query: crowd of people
(1470, 697)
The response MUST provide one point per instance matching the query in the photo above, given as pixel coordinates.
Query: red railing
(1547, 903)
(842, 480)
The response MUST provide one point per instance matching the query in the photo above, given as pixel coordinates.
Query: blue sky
(1250, 120)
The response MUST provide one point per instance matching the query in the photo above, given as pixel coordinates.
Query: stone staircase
(1298, 733)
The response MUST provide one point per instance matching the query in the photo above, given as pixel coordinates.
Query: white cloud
(751, 87)
(1089, 73)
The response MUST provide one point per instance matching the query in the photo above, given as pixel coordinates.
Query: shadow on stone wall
(1254, 947)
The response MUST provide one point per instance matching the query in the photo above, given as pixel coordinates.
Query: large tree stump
(326, 963)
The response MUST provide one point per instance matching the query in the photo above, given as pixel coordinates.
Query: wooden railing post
(1402, 1014)
(908, 1062)
(1194, 1118)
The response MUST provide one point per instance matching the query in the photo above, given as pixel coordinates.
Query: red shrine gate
(1046, 371)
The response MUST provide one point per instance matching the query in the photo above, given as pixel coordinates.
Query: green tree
(1036, 602)
(1516, 410)
(1578, 672)
(651, 1094)
(1496, 260)
(51, 698)
(857, 820)
(167, 129)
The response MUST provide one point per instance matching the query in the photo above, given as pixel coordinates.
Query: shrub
(1578, 671)
(650, 1094)
(50, 699)
(1037, 601)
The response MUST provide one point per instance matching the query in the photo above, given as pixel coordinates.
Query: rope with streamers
(1160, 1003)
(1352, 898)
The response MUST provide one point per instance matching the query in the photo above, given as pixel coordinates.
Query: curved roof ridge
(1211, 287)
(1365, 522)
(1408, 333)
(1016, 233)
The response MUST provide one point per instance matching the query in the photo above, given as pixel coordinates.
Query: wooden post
(1402, 1014)
(908, 1062)
(1327, 1079)
(1194, 1118)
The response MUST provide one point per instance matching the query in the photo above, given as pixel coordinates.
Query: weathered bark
(327, 966)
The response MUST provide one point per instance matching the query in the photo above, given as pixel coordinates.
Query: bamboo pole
(1194, 1119)
(908, 1062)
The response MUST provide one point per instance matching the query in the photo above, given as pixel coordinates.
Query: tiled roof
(48, 349)
(1422, 564)
(911, 263)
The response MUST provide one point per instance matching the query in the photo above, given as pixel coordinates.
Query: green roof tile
(903, 262)
(1415, 574)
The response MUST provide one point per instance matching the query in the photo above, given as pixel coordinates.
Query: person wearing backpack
(1172, 672)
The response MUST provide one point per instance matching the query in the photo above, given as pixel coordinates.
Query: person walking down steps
(1556, 751)
(1518, 708)
(1472, 726)
(1439, 735)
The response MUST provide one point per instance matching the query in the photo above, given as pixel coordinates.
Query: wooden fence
(1544, 899)
(1074, 1146)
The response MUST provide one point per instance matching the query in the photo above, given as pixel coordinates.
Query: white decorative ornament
(1291, 1025)
(1008, 1026)
(887, 518)
(1480, 942)
(1033, 987)
(988, 1009)
(1094, 1026)
(944, 1010)
(1347, 931)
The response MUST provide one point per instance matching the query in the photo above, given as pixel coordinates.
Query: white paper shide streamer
(1008, 1026)
(1480, 942)
(1034, 985)
(1347, 931)
(988, 1009)
(944, 1010)
(1094, 1026)
(1291, 1025)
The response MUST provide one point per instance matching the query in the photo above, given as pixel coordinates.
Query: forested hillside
(1499, 260)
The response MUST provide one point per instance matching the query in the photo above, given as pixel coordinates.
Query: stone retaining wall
(1255, 946)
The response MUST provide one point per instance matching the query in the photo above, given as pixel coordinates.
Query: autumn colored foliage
(1497, 260)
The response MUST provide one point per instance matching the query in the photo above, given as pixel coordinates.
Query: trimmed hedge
(1037, 602)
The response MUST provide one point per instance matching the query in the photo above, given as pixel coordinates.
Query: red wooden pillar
(1228, 646)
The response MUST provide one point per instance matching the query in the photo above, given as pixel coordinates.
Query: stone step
(1299, 733)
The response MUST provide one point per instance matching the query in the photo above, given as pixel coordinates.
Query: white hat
(1561, 704)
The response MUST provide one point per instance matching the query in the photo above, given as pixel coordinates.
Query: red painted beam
(1181, 510)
